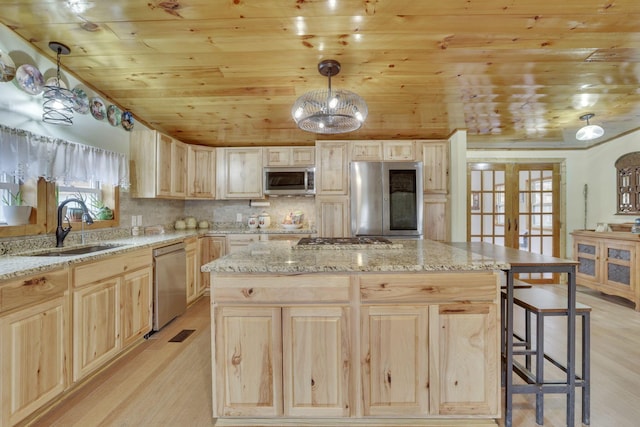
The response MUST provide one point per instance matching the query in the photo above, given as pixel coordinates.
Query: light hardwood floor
(161, 383)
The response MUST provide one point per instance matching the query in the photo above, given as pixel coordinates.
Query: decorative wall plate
(98, 109)
(127, 120)
(29, 79)
(81, 102)
(114, 115)
(7, 68)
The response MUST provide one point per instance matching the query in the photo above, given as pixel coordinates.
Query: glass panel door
(518, 206)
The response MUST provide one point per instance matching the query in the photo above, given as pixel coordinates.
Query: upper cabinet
(435, 156)
(201, 172)
(289, 156)
(158, 165)
(376, 151)
(332, 172)
(239, 173)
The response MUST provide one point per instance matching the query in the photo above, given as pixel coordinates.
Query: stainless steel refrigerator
(386, 199)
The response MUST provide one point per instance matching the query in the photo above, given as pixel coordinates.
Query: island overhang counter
(401, 335)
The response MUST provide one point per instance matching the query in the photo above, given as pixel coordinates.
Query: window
(8, 186)
(95, 197)
(628, 184)
(542, 203)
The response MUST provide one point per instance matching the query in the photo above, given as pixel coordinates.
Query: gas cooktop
(346, 242)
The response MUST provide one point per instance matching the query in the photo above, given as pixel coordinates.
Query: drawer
(279, 289)
(111, 266)
(33, 289)
(428, 288)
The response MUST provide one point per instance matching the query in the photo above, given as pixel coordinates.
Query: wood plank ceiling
(514, 73)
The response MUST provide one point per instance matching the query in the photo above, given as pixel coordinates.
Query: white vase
(16, 215)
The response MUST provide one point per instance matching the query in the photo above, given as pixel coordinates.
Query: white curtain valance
(26, 155)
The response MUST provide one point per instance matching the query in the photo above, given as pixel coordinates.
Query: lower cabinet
(361, 346)
(34, 343)
(34, 358)
(254, 343)
(192, 274)
(395, 350)
(608, 262)
(112, 308)
(211, 248)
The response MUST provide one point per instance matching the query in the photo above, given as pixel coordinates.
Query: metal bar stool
(543, 303)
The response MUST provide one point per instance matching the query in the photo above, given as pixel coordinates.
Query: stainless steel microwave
(289, 181)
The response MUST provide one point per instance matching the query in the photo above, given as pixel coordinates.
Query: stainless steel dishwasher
(169, 284)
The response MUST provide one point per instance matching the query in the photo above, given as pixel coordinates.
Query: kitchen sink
(82, 250)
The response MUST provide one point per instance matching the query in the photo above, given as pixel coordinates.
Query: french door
(516, 205)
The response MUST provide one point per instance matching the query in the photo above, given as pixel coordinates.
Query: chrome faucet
(61, 232)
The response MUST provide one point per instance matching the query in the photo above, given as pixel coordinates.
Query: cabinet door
(332, 216)
(178, 169)
(248, 371)
(163, 165)
(211, 248)
(192, 274)
(436, 220)
(394, 353)
(96, 327)
(239, 173)
(587, 253)
(201, 172)
(464, 366)
(303, 156)
(435, 157)
(136, 304)
(366, 151)
(619, 271)
(331, 168)
(34, 361)
(316, 356)
(399, 150)
(277, 156)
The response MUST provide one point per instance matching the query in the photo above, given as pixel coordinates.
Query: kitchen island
(405, 334)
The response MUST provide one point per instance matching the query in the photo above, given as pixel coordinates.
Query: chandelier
(329, 111)
(589, 132)
(58, 101)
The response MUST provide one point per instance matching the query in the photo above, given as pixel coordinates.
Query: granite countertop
(24, 263)
(413, 255)
(16, 265)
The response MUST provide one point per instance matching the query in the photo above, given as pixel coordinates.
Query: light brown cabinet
(157, 166)
(248, 367)
(289, 156)
(332, 216)
(332, 171)
(34, 362)
(316, 359)
(239, 173)
(105, 320)
(435, 158)
(376, 151)
(420, 345)
(608, 262)
(464, 359)
(395, 382)
(193, 269)
(201, 172)
(211, 248)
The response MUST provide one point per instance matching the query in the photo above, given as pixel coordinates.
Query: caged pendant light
(329, 111)
(58, 101)
(589, 132)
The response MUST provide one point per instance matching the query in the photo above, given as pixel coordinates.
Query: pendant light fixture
(329, 111)
(589, 132)
(58, 101)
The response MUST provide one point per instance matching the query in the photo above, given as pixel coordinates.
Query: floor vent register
(182, 335)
